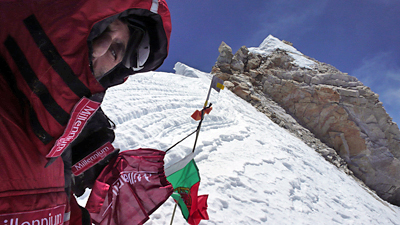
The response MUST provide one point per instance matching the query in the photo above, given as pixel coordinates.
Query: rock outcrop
(328, 109)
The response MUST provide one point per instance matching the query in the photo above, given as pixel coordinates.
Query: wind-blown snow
(254, 171)
(271, 43)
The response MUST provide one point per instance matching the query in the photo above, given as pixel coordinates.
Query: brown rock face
(337, 108)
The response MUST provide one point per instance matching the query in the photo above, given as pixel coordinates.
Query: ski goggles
(138, 48)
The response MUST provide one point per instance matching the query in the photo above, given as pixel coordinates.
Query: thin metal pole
(208, 96)
(198, 130)
(180, 141)
(173, 214)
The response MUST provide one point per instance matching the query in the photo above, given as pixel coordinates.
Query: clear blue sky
(359, 37)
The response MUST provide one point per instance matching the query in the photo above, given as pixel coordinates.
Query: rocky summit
(331, 111)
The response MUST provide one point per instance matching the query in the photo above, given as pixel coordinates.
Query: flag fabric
(201, 212)
(186, 181)
(129, 188)
(217, 83)
(197, 114)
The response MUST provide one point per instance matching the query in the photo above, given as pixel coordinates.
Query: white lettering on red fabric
(81, 113)
(130, 177)
(134, 177)
(81, 119)
(127, 177)
(93, 158)
(51, 216)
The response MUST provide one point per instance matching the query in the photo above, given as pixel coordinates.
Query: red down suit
(44, 71)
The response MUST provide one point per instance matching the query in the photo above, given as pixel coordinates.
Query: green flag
(185, 182)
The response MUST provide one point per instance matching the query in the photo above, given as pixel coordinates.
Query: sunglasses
(138, 48)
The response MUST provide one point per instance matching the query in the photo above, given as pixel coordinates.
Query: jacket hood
(158, 29)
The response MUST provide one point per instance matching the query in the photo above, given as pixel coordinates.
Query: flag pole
(202, 117)
(173, 214)
(198, 130)
(208, 96)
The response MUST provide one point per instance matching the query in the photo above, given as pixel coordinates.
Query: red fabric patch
(201, 212)
(197, 207)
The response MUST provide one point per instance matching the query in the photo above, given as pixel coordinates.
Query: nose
(101, 45)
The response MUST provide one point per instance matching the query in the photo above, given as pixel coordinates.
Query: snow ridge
(271, 44)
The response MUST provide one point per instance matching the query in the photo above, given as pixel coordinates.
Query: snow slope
(254, 171)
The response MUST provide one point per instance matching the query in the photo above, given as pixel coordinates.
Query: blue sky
(359, 37)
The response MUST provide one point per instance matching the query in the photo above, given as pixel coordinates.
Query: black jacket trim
(35, 125)
(36, 86)
(54, 58)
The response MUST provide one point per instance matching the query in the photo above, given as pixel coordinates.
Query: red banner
(130, 188)
(81, 113)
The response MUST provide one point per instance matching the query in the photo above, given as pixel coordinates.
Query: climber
(54, 55)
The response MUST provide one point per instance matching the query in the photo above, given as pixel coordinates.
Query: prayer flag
(217, 83)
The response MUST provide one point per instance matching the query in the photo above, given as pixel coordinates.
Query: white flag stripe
(179, 165)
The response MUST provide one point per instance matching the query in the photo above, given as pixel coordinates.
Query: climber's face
(109, 48)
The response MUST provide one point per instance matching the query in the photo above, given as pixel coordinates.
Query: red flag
(130, 188)
(197, 114)
(201, 211)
